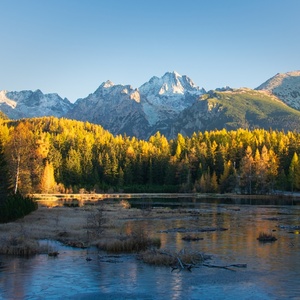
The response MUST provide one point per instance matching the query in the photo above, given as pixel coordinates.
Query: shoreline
(102, 196)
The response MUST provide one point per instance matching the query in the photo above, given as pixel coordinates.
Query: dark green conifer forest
(52, 155)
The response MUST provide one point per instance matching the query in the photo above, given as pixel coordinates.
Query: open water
(273, 269)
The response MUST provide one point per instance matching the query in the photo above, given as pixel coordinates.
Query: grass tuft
(134, 243)
(266, 237)
(19, 246)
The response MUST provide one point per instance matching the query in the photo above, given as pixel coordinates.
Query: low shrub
(16, 206)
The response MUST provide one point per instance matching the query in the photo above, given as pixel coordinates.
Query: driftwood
(188, 266)
(227, 267)
(191, 238)
(74, 244)
(110, 258)
(53, 254)
(180, 262)
(113, 261)
(186, 230)
(233, 208)
(191, 263)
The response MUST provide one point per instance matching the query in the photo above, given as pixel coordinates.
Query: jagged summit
(165, 97)
(28, 104)
(169, 84)
(170, 104)
(286, 86)
(107, 84)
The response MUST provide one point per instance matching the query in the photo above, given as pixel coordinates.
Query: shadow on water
(195, 202)
(272, 272)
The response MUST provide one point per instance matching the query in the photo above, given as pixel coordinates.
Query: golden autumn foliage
(48, 183)
(43, 153)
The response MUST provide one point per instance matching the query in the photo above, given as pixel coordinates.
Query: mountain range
(170, 104)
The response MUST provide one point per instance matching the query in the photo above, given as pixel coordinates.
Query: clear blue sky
(70, 47)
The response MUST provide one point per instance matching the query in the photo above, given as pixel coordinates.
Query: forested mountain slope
(239, 108)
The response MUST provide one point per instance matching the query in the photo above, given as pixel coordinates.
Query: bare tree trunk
(17, 172)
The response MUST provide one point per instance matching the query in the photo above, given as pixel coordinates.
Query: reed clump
(18, 245)
(133, 243)
(266, 237)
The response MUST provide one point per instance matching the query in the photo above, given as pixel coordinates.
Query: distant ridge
(28, 104)
(170, 104)
(285, 86)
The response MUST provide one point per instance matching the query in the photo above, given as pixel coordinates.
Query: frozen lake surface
(273, 269)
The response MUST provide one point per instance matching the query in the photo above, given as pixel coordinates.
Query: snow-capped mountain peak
(168, 104)
(167, 96)
(5, 100)
(28, 103)
(170, 84)
(107, 84)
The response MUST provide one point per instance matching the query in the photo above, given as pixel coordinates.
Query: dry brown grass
(171, 259)
(132, 243)
(82, 227)
(17, 245)
(76, 226)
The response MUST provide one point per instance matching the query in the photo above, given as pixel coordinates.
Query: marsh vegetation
(236, 258)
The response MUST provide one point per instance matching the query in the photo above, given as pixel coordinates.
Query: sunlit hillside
(59, 155)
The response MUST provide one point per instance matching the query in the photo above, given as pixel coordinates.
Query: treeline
(47, 155)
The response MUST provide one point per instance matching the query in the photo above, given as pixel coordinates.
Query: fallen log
(227, 267)
(191, 238)
(53, 254)
(109, 258)
(188, 230)
(181, 265)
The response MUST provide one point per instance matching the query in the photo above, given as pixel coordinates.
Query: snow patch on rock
(285, 86)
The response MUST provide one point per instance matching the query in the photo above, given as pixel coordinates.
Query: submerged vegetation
(51, 155)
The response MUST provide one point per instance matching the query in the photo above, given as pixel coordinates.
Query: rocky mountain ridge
(123, 109)
(285, 86)
(28, 104)
(169, 104)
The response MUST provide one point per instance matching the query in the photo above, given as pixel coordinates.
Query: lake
(273, 269)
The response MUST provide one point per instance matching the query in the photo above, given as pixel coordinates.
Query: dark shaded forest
(50, 155)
